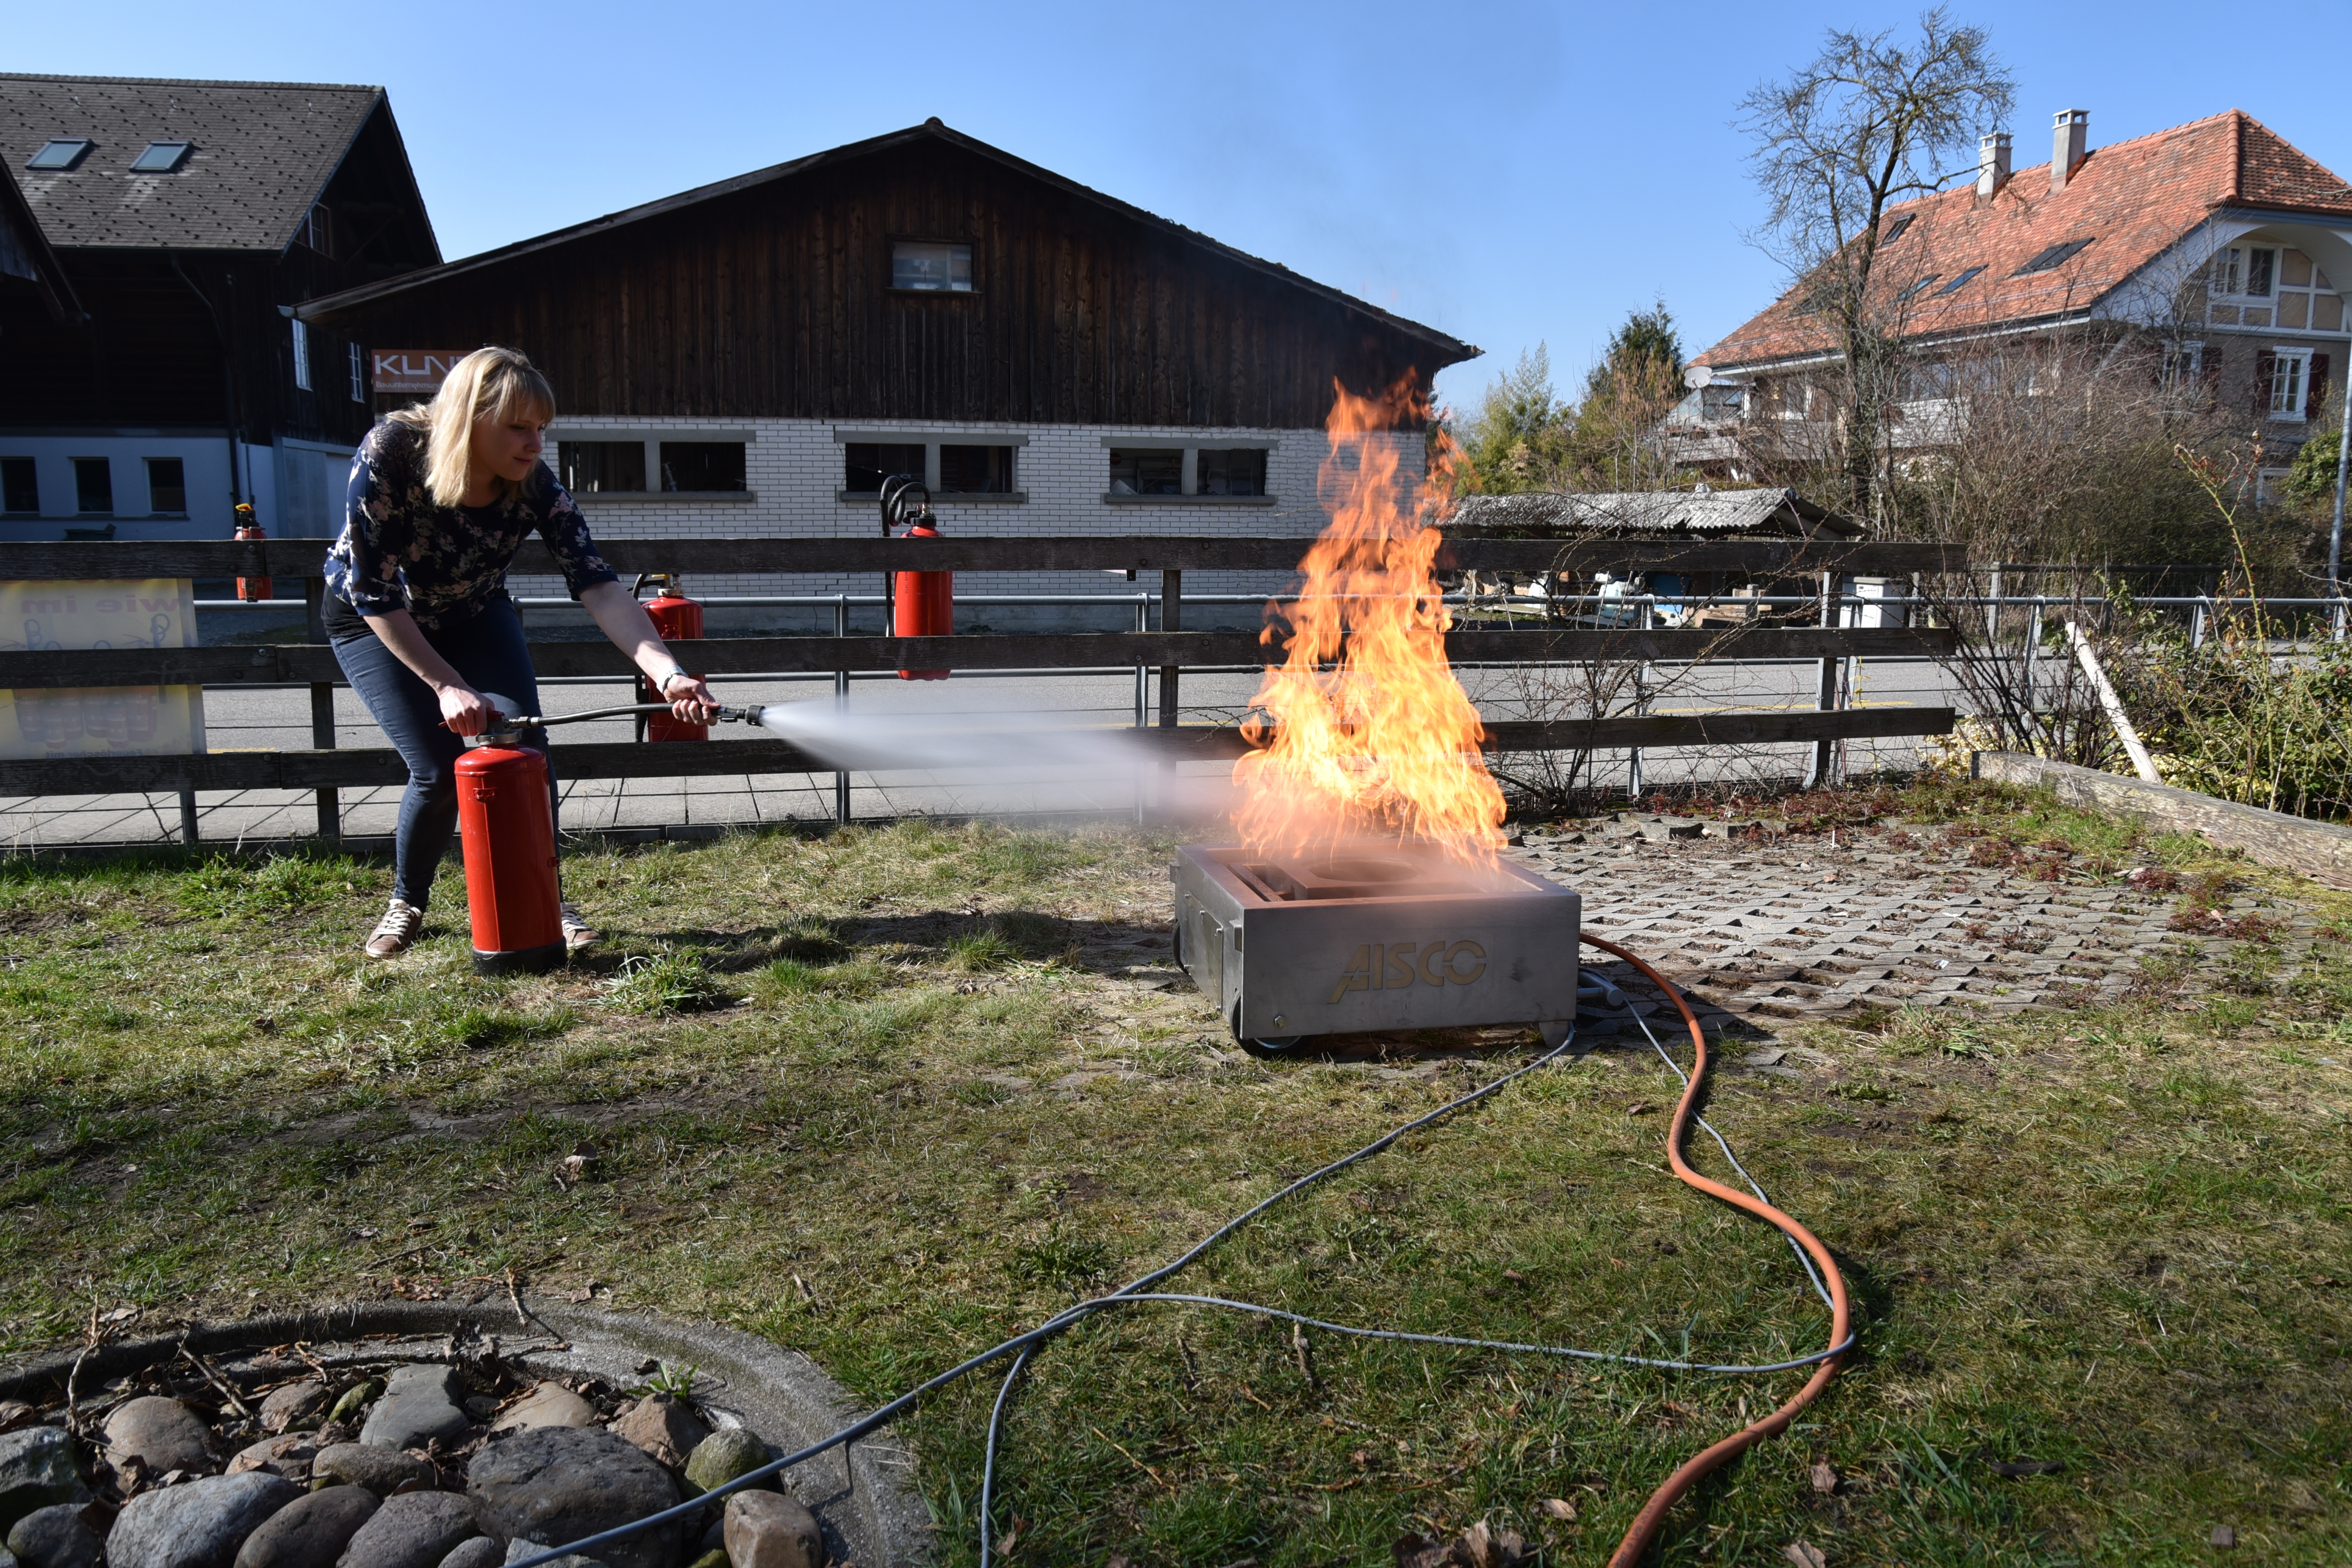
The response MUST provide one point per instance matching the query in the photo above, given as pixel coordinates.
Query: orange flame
(1371, 737)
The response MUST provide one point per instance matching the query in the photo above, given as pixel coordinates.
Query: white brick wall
(795, 466)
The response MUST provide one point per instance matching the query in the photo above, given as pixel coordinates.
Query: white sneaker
(577, 932)
(396, 932)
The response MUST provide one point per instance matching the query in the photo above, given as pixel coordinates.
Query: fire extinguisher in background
(675, 617)
(506, 826)
(922, 603)
(250, 589)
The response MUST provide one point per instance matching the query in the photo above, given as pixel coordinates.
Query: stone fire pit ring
(861, 1493)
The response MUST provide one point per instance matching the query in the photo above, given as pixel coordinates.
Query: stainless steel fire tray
(1386, 937)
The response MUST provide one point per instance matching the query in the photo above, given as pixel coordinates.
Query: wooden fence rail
(371, 766)
(303, 663)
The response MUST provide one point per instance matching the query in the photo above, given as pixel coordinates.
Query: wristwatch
(676, 672)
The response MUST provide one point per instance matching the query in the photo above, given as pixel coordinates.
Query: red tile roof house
(2217, 236)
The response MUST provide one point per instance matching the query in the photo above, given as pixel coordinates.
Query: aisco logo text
(1392, 966)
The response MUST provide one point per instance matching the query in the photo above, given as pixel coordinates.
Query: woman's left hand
(689, 700)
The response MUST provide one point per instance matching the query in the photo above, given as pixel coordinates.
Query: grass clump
(669, 981)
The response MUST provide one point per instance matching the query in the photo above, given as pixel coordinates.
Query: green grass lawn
(889, 1096)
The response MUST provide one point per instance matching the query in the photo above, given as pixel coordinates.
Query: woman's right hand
(466, 710)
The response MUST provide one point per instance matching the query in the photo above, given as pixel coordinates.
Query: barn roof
(260, 155)
(2129, 203)
(1770, 513)
(327, 308)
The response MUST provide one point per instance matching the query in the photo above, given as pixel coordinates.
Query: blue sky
(1507, 173)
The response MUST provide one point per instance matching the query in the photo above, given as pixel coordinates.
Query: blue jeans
(489, 651)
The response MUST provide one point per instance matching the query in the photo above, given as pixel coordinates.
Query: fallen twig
(235, 1403)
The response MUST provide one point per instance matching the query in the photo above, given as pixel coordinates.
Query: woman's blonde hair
(495, 383)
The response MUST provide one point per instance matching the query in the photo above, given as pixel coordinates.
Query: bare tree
(1868, 123)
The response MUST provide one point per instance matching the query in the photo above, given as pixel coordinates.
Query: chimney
(2070, 144)
(1992, 166)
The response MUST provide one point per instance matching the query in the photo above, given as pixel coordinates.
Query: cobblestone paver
(1766, 928)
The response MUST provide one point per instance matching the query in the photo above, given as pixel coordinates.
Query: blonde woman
(442, 495)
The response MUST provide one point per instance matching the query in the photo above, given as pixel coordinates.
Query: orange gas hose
(1646, 1524)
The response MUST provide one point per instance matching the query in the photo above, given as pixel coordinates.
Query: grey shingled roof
(1769, 513)
(262, 152)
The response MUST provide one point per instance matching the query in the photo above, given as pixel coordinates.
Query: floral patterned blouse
(400, 551)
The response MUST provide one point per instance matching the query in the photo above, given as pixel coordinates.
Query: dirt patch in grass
(934, 1083)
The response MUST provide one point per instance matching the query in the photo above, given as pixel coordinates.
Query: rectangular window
(2055, 256)
(167, 486)
(303, 355)
(975, 470)
(2260, 265)
(93, 485)
(2183, 364)
(935, 267)
(866, 464)
(20, 487)
(1147, 473)
(2289, 370)
(359, 374)
(588, 466)
(1957, 284)
(1917, 289)
(702, 465)
(2246, 271)
(1232, 471)
(317, 231)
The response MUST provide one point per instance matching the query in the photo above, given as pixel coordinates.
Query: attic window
(55, 156)
(160, 158)
(932, 268)
(316, 231)
(1957, 284)
(1919, 287)
(2056, 256)
(1895, 231)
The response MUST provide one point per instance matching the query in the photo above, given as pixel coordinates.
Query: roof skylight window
(2056, 256)
(57, 155)
(1957, 284)
(160, 158)
(1895, 231)
(1919, 287)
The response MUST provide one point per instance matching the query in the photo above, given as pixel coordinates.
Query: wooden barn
(167, 380)
(751, 358)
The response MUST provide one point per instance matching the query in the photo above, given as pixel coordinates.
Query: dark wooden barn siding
(776, 302)
(161, 322)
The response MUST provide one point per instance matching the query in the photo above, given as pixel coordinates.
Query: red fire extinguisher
(506, 826)
(922, 603)
(250, 588)
(675, 617)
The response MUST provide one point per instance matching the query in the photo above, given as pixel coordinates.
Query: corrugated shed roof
(262, 152)
(2133, 201)
(1766, 512)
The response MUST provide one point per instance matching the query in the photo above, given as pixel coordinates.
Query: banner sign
(100, 720)
(412, 370)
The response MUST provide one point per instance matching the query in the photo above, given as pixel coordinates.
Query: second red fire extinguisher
(250, 588)
(675, 617)
(922, 603)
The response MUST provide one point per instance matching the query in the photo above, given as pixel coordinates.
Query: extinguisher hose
(726, 715)
(1021, 1348)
